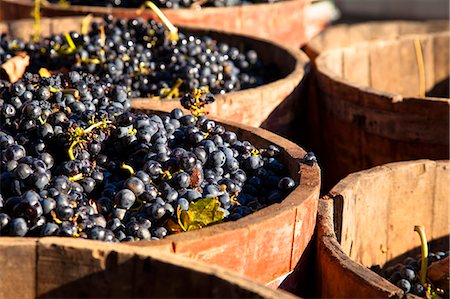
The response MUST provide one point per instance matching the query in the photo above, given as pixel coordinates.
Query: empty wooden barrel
(266, 245)
(282, 21)
(382, 102)
(368, 219)
(274, 105)
(69, 268)
(341, 36)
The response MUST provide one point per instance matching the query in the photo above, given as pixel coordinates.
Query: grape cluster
(139, 55)
(76, 162)
(165, 3)
(405, 275)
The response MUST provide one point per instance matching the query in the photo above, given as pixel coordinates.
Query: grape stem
(70, 42)
(96, 125)
(85, 24)
(173, 31)
(127, 167)
(166, 175)
(424, 250)
(70, 151)
(37, 20)
(76, 177)
(174, 92)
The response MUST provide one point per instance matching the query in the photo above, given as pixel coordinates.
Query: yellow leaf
(200, 214)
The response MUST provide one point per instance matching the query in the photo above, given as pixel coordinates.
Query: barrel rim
(166, 258)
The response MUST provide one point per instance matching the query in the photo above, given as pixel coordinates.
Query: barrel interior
(399, 67)
(376, 210)
(346, 35)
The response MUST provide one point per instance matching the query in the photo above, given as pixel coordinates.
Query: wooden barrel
(342, 36)
(368, 219)
(69, 268)
(370, 110)
(274, 106)
(282, 21)
(266, 245)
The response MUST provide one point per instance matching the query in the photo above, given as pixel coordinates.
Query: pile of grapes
(165, 3)
(143, 57)
(406, 275)
(76, 162)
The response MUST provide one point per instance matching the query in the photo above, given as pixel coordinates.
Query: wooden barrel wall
(369, 107)
(368, 219)
(282, 21)
(58, 267)
(274, 106)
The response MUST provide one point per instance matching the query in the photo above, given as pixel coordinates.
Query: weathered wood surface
(283, 21)
(349, 35)
(368, 110)
(438, 273)
(346, 35)
(274, 106)
(57, 267)
(368, 219)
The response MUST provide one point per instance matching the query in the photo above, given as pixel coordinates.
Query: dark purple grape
(18, 227)
(125, 199)
(404, 284)
(135, 185)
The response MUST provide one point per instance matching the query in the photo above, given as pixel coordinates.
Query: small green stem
(173, 31)
(96, 125)
(42, 121)
(174, 91)
(166, 175)
(76, 177)
(127, 167)
(70, 151)
(424, 250)
(70, 42)
(37, 20)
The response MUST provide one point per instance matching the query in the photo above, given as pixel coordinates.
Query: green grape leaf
(200, 214)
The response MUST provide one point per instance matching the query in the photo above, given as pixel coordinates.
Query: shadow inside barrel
(440, 89)
(140, 277)
(301, 281)
(289, 118)
(440, 244)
